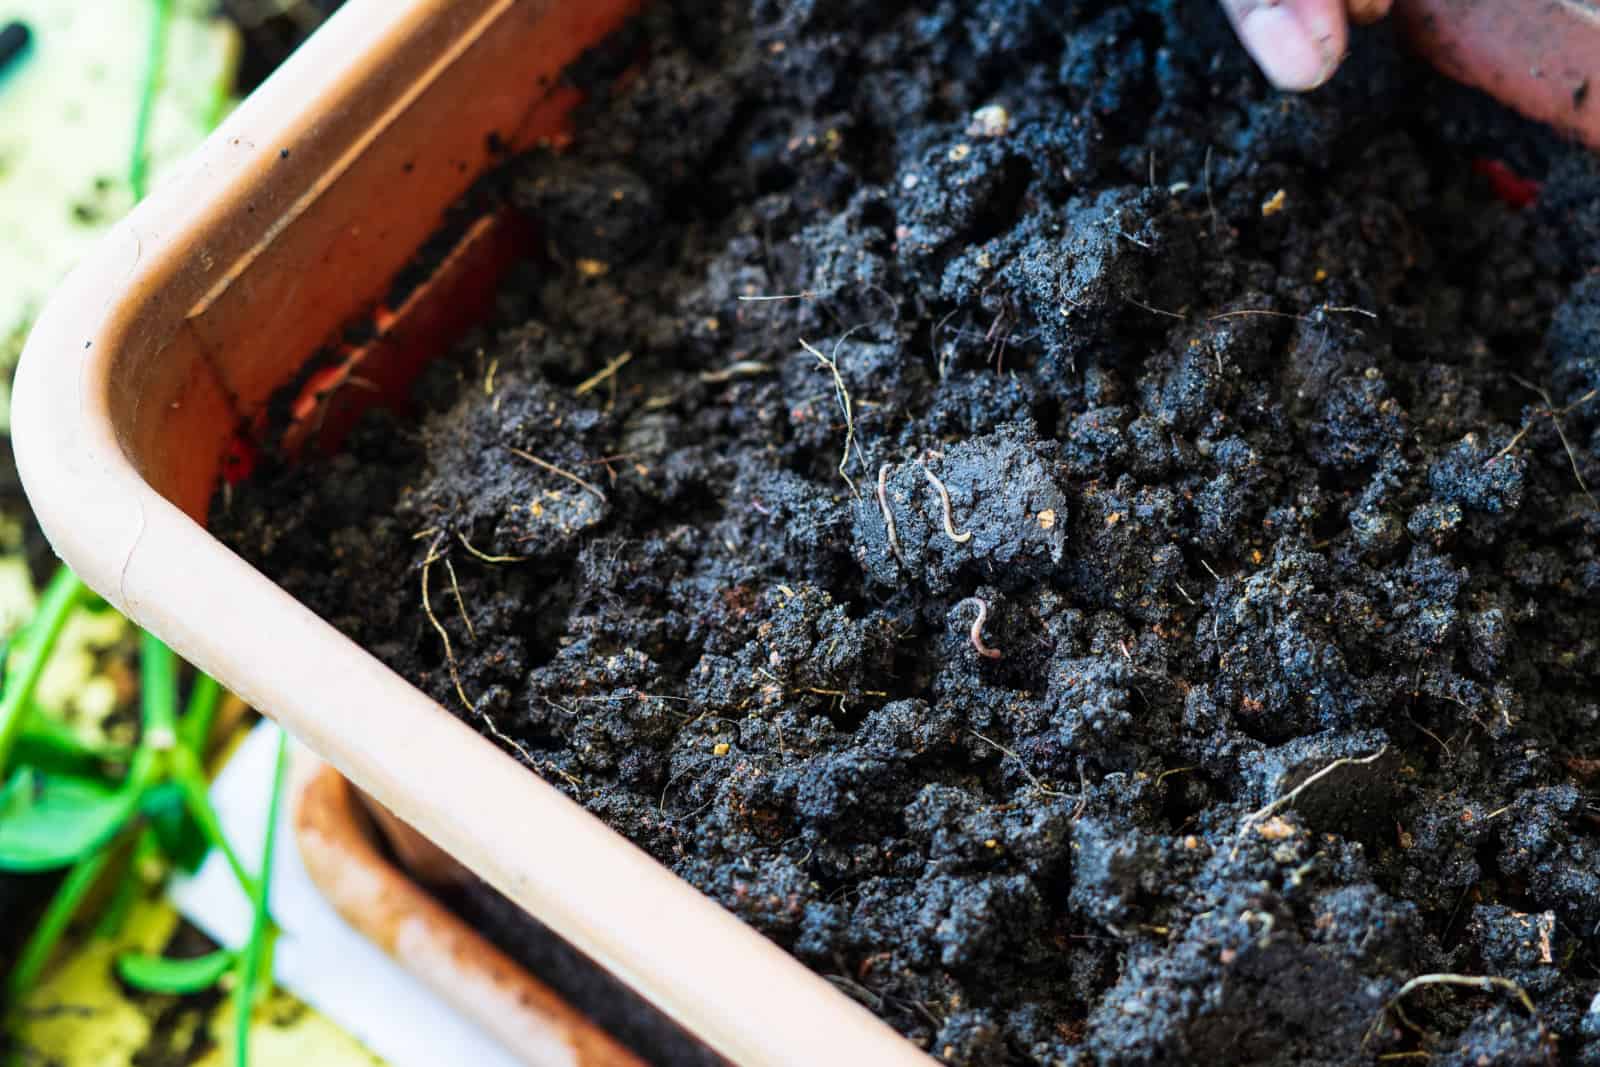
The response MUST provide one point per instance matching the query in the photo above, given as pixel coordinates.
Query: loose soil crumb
(1263, 431)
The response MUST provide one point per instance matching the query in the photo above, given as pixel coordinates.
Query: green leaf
(181, 838)
(127, 885)
(50, 745)
(35, 644)
(259, 948)
(50, 821)
(205, 697)
(186, 771)
(158, 974)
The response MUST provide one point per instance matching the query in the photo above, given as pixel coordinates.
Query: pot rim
(384, 905)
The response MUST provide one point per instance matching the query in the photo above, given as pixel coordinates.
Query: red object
(458, 294)
(238, 459)
(1508, 185)
(1540, 57)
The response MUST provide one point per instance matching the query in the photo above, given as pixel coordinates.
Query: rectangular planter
(449, 957)
(289, 223)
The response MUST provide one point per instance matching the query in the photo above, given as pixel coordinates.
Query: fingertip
(1328, 23)
(1296, 44)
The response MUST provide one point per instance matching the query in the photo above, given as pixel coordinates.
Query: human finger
(1297, 43)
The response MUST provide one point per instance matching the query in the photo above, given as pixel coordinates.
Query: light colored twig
(843, 396)
(804, 294)
(1556, 415)
(1290, 797)
(484, 556)
(1021, 766)
(1136, 302)
(745, 368)
(461, 604)
(603, 373)
(1486, 983)
(444, 635)
(455, 672)
(553, 469)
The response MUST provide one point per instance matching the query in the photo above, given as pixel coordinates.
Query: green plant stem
(155, 59)
(60, 597)
(255, 950)
(191, 778)
(158, 692)
(63, 906)
(205, 696)
(145, 851)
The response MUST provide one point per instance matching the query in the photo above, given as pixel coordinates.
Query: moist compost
(1093, 556)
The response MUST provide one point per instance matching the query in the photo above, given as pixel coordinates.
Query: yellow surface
(79, 1017)
(79, 1014)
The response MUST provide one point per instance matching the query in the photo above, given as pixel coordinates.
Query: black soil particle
(1259, 433)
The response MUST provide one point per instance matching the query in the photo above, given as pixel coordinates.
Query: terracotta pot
(168, 341)
(1541, 57)
(288, 224)
(448, 956)
(418, 857)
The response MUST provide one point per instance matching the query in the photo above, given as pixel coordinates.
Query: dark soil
(1266, 428)
(179, 1030)
(22, 900)
(271, 30)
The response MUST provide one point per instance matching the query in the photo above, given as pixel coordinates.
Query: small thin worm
(888, 516)
(977, 626)
(944, 499)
